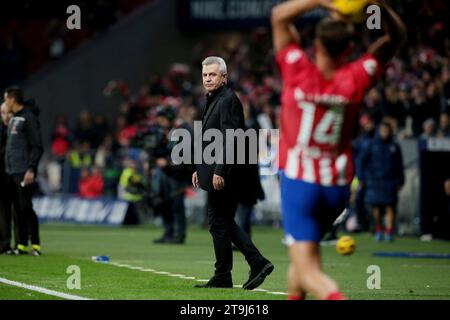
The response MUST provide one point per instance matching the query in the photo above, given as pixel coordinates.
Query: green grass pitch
(65, 245)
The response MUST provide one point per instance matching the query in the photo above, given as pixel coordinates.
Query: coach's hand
(195, 180)
(28, 178)
(218, 182)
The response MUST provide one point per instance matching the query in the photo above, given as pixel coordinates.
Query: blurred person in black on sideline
(5, 187)
(168, 181)
(173, 181)
(23, 152)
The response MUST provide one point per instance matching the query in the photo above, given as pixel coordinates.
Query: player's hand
(328, 4)
(195, 180)
(28, 178)
(218, 182)
(334, 11)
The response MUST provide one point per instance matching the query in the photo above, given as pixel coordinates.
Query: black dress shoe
(258, 274)
(176, 240)
(215, 282)
(163, 239)
(5, 250)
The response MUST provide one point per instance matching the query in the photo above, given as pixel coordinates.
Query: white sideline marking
(42, 290)
(426, 266)
(277, 293)
(182, 276)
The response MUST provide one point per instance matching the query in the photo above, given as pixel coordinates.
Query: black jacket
(3, 135)
(224, 111)
(24, 145)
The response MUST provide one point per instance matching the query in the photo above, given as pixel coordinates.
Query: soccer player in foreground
(320, 102)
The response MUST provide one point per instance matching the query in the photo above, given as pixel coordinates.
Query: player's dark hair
(334, 35)
(16, 93)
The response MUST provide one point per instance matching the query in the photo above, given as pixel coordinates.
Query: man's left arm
(33, 134)
(230, 116)
(400, 169)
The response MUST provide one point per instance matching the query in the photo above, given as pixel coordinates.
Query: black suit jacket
(3, 137)
(223, 111)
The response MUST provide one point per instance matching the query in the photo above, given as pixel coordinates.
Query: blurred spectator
(107, 157)
(84, 129)
(100, 130)
(393, 108)
(133, 188)
(91, 183)
(433, 101)
(418, 109)
(172, 179)
(362, 142)
(373, 104)
(447, 193)
(429, 129)
(79, 157)
(60, 139)
(381, 171)
(124, 132)
(444, 126)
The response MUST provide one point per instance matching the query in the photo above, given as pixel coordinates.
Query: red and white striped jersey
(318, 115)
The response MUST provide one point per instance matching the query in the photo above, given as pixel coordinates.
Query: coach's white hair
(216, 60)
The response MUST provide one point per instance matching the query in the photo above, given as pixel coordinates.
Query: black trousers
(25, 216)
(244, 217)
(224, 230)
(173, 211)
(5, 212)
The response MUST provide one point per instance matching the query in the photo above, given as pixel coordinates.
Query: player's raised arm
(385, 47)
(283, 16)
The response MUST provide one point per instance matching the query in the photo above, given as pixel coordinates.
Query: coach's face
(6, 115)
(8, 100)
(213, 77)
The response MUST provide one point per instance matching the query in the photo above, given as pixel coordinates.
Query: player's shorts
(309, 209)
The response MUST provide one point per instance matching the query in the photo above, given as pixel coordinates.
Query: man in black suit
(22, 154)
(5, 186)
(224, 182)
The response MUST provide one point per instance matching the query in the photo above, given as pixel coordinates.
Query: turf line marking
(425, 266)
(276, 292)
(42, 290)
(182, 276)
